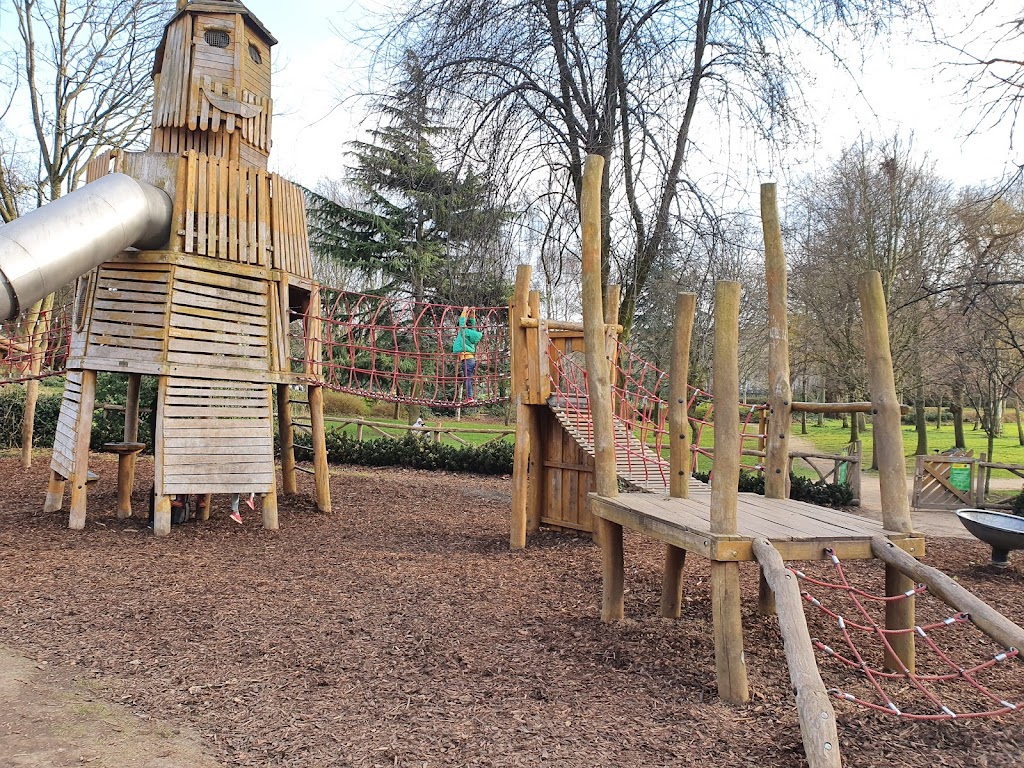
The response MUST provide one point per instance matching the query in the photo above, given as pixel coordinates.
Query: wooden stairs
(637, 465)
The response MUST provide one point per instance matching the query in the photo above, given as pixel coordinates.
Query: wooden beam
(814, 708)
(830, 409)
(983, 616)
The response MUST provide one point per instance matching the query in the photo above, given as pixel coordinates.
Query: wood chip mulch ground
(400, 631)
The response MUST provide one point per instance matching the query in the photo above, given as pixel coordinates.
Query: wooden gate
(944, 481)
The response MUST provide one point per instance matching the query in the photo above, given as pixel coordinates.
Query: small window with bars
(218, 38)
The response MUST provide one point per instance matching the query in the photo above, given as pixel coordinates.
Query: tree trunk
(1020, 426)
(957, 409)
(920, 424)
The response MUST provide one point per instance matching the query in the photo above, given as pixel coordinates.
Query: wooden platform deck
(799, 531)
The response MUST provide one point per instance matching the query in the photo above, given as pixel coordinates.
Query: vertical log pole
(679, 447)
(161, 502)
(521, 452)
(776, 472)
(600, 389)
(131, 408)
(83, 431)
(730, 666)
(321, 470)
(892, 464)
(286, 434)
(54, 493)
(779, 395)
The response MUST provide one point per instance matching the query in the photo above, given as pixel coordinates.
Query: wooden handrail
(832, 408)
(561, 325)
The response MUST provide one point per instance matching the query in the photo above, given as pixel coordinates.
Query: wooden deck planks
(798, 529)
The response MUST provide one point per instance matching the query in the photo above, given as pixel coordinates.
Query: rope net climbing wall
(400, 350)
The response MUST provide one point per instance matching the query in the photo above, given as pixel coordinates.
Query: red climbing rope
(400, 350)
(640, 401)
(923, 683)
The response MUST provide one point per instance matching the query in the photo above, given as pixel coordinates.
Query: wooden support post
(131, 408)
(270, 509)
(131, 435)
(54, 493)
(599, 382)
(535, 486)
(204, 507)
(730, 667)
(535, 350)
(286, 433)
(892, 464)
(679, 447)
(672, 582)
(983, 616)
(519, 307)
(817, 717)
(779, 395)
(517, 334)
(520, 476)
(321, 470)
(162, 516)
(83, 432)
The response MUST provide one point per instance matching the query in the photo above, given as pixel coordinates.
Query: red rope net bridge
(35, 345)
(950, 690)
(640, 398)
(400, 350)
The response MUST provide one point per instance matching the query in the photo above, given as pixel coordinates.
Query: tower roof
(225, 6)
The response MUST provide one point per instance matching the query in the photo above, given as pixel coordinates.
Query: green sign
(960, 477)
(842, 472)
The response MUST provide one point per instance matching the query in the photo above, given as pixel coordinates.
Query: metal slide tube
(53, 245)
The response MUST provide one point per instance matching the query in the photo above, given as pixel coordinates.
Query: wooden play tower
(209, 311)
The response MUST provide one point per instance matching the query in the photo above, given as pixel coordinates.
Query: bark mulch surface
(400, 631)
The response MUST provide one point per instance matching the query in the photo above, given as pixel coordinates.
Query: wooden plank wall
(218, 320)
(243, 214)
(170, 103)
(215, 437)
(567, 478)
(129, 312)
(63, 460)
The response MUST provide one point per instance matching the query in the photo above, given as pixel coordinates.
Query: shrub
(800, 489)
(381, 409)
(345, 404)
(1017, 505)
(411, 451)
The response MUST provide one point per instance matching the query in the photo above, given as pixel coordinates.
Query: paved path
(943, 523)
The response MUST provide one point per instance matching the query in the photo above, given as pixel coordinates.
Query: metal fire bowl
(999, 530)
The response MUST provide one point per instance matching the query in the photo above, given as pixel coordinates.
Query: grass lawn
(832, 437)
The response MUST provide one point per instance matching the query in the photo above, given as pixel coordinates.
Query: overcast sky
(899, 86)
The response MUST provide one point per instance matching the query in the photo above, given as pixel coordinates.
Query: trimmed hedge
(107, 425)
(418, 453)
(800, 489)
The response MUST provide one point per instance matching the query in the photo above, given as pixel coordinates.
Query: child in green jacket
(465, 348)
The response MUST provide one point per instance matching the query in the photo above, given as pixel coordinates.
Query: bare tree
(83, 83)
(989, 54)
(625, 80)
(876, 208)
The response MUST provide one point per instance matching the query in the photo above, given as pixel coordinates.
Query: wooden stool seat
(122, 449)
(126, 453)
(91, 477)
